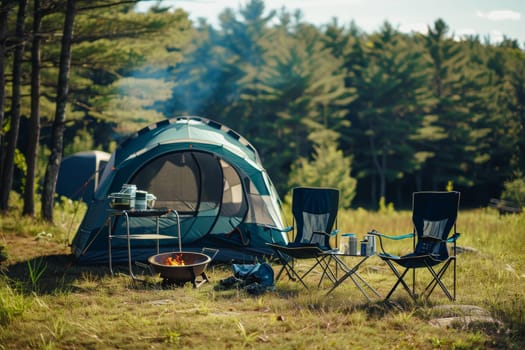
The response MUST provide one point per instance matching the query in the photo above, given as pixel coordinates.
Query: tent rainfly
(208, 173)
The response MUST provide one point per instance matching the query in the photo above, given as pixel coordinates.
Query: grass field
(49, 302)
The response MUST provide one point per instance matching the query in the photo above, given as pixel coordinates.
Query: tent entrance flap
(204, 189)
(186, 181)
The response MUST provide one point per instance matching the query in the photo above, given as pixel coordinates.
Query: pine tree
(307, 93)
(390, 110)
(328, 167)
(458, 85)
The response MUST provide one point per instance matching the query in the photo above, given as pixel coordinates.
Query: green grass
(61, 305)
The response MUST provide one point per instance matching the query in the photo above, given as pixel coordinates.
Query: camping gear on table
(209, 174)
(124, 199)
(350, 246)
(144, 200)
(131, 198)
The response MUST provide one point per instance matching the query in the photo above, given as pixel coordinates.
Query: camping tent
(79, 174)
(208, 173)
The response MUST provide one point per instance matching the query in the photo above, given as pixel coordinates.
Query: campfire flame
(175, 260)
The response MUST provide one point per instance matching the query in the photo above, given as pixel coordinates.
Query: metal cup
(364, 245)
(371, 244)
(352, 245)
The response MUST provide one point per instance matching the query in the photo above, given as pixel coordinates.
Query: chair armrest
(327, 236)
(454, 238)
(273, 228)
(321, 233)
(392, 237)
(348, 234)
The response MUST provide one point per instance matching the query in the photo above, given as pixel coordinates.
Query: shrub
(514, 190)
(327, 168)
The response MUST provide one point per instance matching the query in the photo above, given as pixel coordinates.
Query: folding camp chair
(434, 218)
(314, 213)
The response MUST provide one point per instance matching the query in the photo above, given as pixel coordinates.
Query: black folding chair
(434, 217)
(314, 211)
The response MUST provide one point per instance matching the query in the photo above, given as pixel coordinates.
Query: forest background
(379, 114)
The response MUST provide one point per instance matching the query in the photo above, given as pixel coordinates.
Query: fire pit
(181, 267)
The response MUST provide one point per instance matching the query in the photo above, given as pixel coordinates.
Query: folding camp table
(349, 271)
(155, 213)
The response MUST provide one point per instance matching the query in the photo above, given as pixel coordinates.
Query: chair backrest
(314, 209)
(434, 215)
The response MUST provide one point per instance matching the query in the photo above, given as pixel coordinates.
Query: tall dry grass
(73, 307)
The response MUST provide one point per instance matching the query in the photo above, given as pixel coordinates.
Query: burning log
(177, 260)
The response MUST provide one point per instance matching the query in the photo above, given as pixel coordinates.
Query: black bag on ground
(254, 278)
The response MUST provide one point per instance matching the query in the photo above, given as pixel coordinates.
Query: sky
(490, 19)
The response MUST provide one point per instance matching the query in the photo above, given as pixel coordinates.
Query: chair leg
(454, 282)
(290, 271)
(280, 272)
(287, 266)
(324, 262)
(437, 281)
(413, 281)
(400, 280)
(318, 262)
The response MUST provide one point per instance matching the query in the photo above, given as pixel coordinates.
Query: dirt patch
(24, 247)
(26, 254)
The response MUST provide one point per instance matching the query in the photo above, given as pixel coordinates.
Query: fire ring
(192, 269)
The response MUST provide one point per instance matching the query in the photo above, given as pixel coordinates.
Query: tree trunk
(5, 8)
(6, 182)
(380, 166)
(382, 176)
(34, 123)
(373, 191)
(57, 135)
(419, 181)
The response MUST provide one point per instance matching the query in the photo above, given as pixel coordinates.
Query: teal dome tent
(208, 173)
